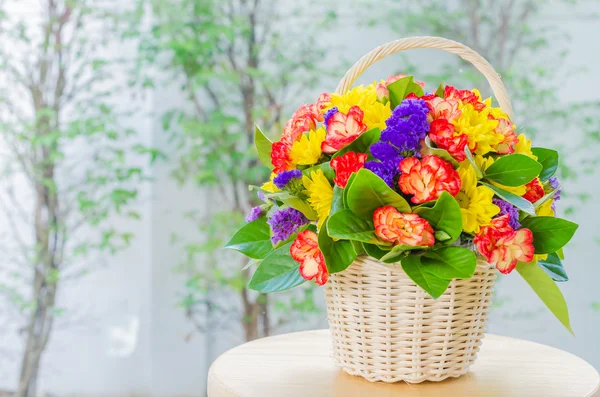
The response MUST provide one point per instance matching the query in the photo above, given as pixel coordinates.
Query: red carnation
(305, 249)
(441, 132)
(426, 179)
(405, 229)
(466, 96)
(342, 129)
(345, 165)
(534, 191)
(280, 157)
(502, 246)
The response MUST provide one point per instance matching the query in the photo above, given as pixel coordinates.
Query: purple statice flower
(260, 195)
(254, 214)
(328, 115)
(386, 170)
(406, 127)
(508, 208)
(284, 223)
(555, 184)
(285, 177)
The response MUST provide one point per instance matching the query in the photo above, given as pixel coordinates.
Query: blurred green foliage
(237, 63)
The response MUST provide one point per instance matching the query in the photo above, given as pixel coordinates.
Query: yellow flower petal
(523, 146)
(478, 128)
(375, 113)
(320, 194)
(270, 186)
(307, 150)
(475, 201)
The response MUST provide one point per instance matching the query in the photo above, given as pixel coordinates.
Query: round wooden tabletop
(299, 365)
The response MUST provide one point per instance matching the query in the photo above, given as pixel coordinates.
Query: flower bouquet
(406, 200)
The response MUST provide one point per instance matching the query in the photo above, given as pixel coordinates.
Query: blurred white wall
(129, 339)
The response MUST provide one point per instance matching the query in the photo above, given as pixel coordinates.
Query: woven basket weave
(385, 327)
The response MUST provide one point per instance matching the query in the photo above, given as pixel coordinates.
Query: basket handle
(440, 43)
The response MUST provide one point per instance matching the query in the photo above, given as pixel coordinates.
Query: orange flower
(506, 129)
(399, 228)
(441, 132)
(440, 108)
(304, 119)
(534, 191)
(502, 246)
(305, 249)
(322, 103)
(342, 129)
(465, 96)
(428, 178)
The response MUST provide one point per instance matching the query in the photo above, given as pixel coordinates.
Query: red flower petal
(399, 228)
(346, 165)
(305, 249)
(280, 157)
(503, 246)
(342, 129)
(428, 178)
(534, 191)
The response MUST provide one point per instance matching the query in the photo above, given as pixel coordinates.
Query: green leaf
(325, 167)
(513, 170)
(362, 143)
(263, 147)
(515, 200)
(561, 254)
(358, 247)
(424, 276)
(444, 216)
(440, 91)
(478, 172)
(277, 272)
(301, 206)
(549, 233)
(547, 290)
(451, 262)
(337, 202)
(401, 88)
(442, 236)
(398, 252)
(347, 188)
(554, 268)
(546, 197)
(346, 225)
(548, 158)
(430, 149)
(253, 239)
(375, 251)
(338, 254)
(369, 192)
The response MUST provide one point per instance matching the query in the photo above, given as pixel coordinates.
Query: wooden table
(299, 365)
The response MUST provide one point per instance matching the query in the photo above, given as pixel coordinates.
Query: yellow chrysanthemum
(523, 146)
(478, 128)
(545, 209)
(307, 150)
(475, 201)
(270, 185)
(320, 194)
(496, 112)
(484, 162)
(375, 113)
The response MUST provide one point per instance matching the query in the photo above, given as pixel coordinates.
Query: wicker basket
(385, 327)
